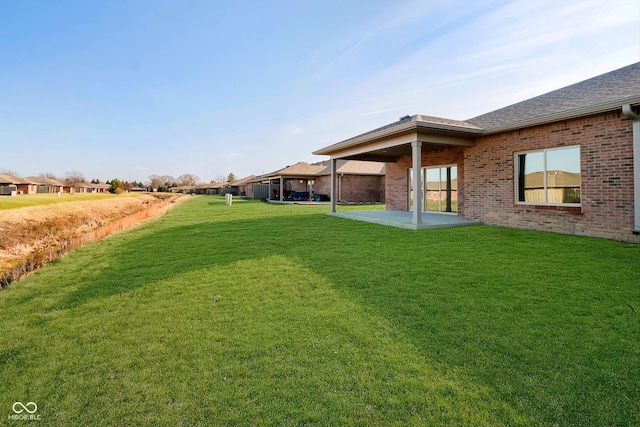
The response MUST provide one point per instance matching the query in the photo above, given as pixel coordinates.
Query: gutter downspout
(631, 115)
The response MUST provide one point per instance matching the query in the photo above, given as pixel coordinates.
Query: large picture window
(548, 177)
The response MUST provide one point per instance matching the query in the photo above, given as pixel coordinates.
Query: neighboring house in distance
(567, 161)
(202, 188)
(104, 188)
(8, 185)
(186, 189)
(23, 185)
(243, 187)
(357, 182)
(219, 188)
(83, 187)
(292, 182)
(47, 185)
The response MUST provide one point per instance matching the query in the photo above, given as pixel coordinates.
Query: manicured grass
(22, 200)
(263, 314)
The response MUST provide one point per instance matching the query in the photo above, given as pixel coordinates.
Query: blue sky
(126, 89)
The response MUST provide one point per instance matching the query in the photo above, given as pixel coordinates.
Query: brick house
(22, 185)
(243, 187)
(567, 161)
(47, 185)
(356, 182)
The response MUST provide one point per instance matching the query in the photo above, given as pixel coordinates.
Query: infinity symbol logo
(22, 407)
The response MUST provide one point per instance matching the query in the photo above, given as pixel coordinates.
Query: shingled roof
(299, 169)
(9, 178)
(46, 181)
(243, 181)
(607, 90)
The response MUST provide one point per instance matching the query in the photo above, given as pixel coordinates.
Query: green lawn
(23, 200)
(264, 314)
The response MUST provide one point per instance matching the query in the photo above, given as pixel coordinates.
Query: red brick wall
(354, 188)
(361, 188)
(486, 178)
(322, 185)
(606, 151)
(396, 183)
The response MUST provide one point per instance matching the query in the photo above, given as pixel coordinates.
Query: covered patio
(293, 183)
(412, 148)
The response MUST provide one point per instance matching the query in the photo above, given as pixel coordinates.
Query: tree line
(159, 183)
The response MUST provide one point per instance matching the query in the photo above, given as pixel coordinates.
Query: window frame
(544, 151)
(423, 190)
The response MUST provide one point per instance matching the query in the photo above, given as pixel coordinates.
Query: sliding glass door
(439, 189)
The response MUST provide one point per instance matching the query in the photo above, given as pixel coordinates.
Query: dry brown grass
(32, 236)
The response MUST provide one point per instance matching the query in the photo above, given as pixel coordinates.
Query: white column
(333, 185)
(416, 156)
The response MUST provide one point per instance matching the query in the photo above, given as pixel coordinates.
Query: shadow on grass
(173, 251)
(526, 314)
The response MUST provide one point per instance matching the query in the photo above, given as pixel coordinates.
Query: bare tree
(74, 177)
(220, 178)
(49, 175)
(12, 172)
(156, 181)
(168, 180)
(188, 179)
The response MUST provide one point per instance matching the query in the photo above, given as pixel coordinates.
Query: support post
(416, 155)
(281, 189)
(333, 185)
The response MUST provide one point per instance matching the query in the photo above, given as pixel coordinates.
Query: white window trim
(516, 176)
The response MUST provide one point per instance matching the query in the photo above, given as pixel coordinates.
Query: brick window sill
(574, 209)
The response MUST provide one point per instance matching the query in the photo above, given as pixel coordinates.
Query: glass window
(549, 176)
(439, 189)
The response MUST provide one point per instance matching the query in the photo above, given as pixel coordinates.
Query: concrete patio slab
(403, 219)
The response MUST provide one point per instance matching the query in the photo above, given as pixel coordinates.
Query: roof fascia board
(411, 127)
(363, 139)
(373, 146)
